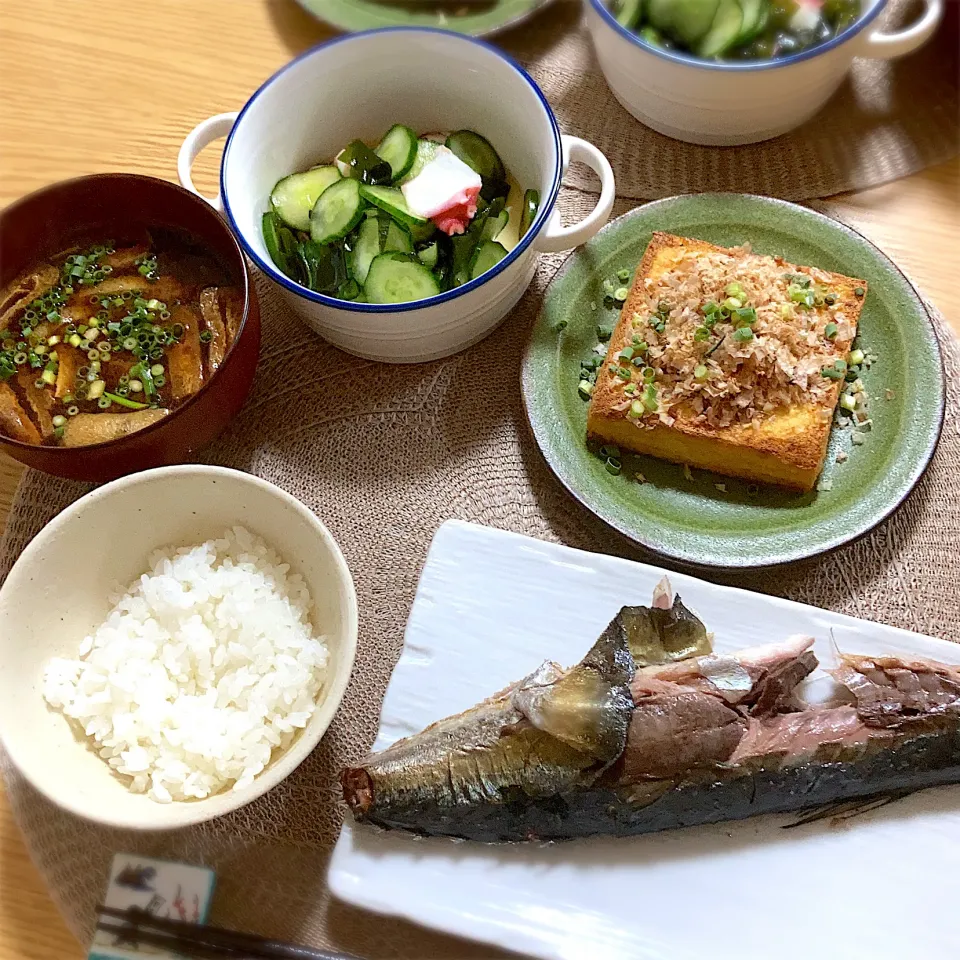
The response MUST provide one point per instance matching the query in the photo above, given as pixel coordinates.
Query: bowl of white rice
(174, 644)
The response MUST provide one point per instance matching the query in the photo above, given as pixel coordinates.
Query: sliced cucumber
(348, 290)
(724, 30)
(429, 255)
(397, 239)
(754, 14)
(629, 13)
(494, 226)
(421, 231)
(399, 149)
(293, 197)
(271, 238)
(357, 161)
(366, 246)
(477, 153)
(463, 248)
(336, 212)
(392, 201)
(659, 14)
(531, 203)
(488, 255)
(426, 151)
(693, 18)
(399, 278)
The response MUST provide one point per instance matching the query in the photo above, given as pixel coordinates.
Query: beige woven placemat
(383, 468)
(888, 120)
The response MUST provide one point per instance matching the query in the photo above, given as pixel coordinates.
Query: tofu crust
(787, 447)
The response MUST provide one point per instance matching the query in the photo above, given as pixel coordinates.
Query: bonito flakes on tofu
(727, 360)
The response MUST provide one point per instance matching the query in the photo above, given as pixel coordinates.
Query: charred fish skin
(551, 734)
(915, 763)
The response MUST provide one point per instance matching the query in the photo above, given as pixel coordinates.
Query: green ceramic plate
(474, 19)
(693, 521)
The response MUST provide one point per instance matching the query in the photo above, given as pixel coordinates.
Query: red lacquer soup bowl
(89, 210)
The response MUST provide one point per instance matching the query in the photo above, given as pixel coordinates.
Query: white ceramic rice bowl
(58, 592)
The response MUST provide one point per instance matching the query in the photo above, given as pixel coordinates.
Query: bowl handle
(885, 46)
(554, 237)
(203, 133)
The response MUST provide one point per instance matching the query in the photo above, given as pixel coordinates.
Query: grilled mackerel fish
(652, 732)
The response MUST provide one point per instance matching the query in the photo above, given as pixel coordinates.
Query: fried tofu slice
(14, 421)
(39, 400)
(213, 323)
(88, 428)
(185, 359)
(24, 290)
(785, 446)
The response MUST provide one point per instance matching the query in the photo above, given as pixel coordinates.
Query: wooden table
(117, 84)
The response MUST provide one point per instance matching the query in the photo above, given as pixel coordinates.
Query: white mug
(357, 86)
(722, 104)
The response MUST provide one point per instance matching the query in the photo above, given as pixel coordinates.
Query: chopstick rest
(159, 888)
(158, 908)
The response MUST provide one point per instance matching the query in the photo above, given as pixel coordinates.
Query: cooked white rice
(201, 670)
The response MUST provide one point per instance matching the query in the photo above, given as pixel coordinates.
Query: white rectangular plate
(491, 606)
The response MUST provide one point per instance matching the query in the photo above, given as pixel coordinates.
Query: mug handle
(203, 133)
(554, 237)
(886, 46)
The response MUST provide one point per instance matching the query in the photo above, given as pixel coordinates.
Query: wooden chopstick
(202, 941)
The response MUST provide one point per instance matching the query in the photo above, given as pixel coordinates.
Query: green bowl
(487, 19)
(693, 521)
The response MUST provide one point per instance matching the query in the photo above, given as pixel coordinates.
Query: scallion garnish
(124, 402)
(650, 402)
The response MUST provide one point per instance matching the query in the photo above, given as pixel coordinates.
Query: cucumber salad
(401, 221)
(736, 29)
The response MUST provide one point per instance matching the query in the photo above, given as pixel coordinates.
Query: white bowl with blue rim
(357, 86)
(726, 103)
